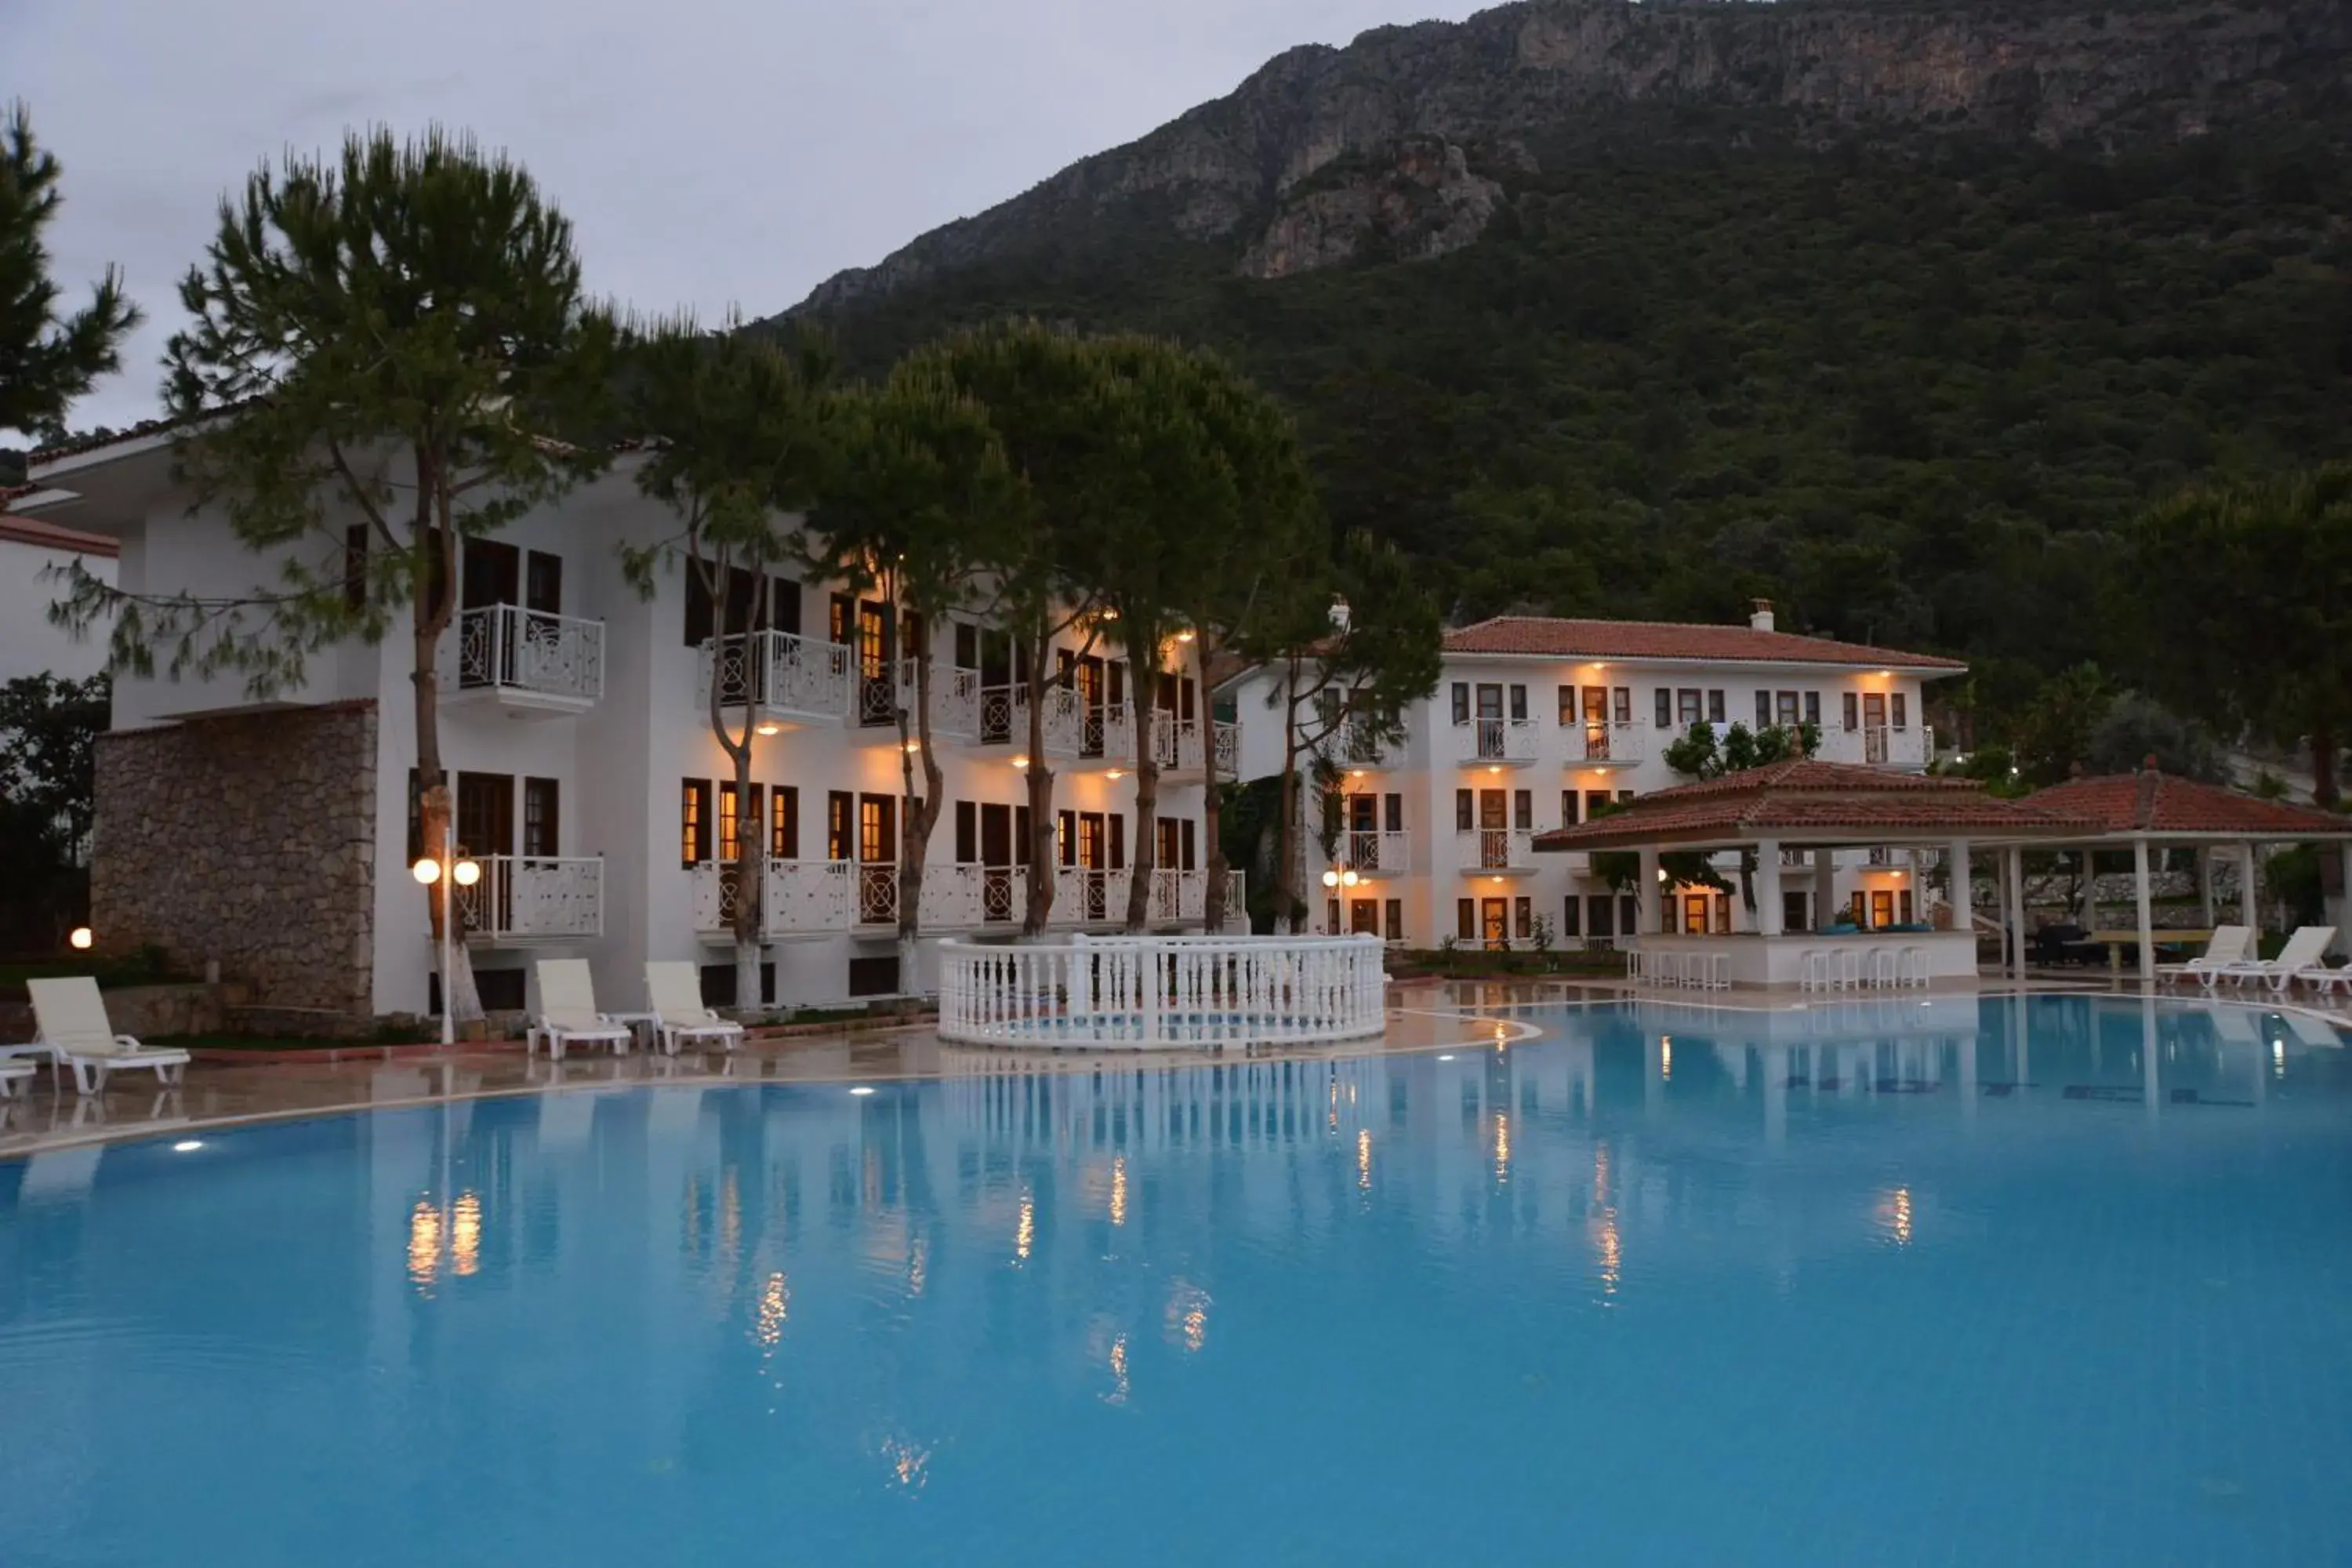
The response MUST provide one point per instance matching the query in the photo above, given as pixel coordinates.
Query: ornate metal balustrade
(792, 677)
(1163, 991)
(528, 655)
(526, 898)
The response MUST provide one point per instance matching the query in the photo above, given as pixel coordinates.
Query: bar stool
(1849, 968)
(1885, 968)
(1718, 971)
(1820, 972)
(1914, 967)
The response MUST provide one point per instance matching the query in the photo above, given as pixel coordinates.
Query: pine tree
(45, 360)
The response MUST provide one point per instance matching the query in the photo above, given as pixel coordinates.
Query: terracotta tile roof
(91, 442)
(49, 536)
(1813, 801)
(2153, 802)
(1549, 638)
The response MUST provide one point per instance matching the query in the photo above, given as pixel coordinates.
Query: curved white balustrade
(1148, 992)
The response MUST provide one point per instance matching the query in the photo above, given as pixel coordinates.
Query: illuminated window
(694, 822)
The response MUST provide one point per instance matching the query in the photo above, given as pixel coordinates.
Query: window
(1065, 837)
(967, 832)
(1465, 919)
(1596, 805)
(1523, 808)
(1363, 917)
(1714, 707)
(1572, 916)
(1331, 917)
(1523, 918)
(1518, 704)
(355, 558)
(719, 984)
(839, 804)
(1625, 705)
(1792, 911)
(1763, 710)
(1904, 899)
(1686, 709)
(1814, 709)
(1567, 705)
(542, 583)
(784, 823)
(1902, 709)
(1494, 922)
(876, 976)
(538, 818)
(694, 822)
(1394, 808)
(1462, 703)
(1392, 917)
(1604, 916)
(1853, 711)
(1465, 811)
(877, 836)
(1882, 908)
(1568, 803)
(1665, 707)
(1784, 709)
(1629, 913)
(484, 814)
(1623, 795)
(733, 820)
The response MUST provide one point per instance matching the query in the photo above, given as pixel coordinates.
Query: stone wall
(246, 841)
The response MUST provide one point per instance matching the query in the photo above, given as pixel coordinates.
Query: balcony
(1176, 746)
(1181, 898)
(1496, 743)
(1354, 747)
(810, 898)
(1497, 851)
(531, 663)
(1004, 720)
(802, 898)
(788, 681)
(1880, 746)
(1106, 737)
(525, 900)
(1597, 745)
(955, 699)
(1376, 854)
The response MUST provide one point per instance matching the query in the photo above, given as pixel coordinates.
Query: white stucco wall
(30, 645)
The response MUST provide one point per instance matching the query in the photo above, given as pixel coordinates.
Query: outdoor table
(2115, 941)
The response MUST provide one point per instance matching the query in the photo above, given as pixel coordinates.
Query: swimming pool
(2045, 1281)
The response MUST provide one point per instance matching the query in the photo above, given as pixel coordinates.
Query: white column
(1645, 892)
(2147, 912)
(1767, 888)
(2090, 911)
(1963, 916)
(2013, 936)
(1824, 887)
(2205, 883)
(2249, 912)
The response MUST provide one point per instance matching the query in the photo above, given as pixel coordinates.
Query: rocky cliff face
(2053, 71)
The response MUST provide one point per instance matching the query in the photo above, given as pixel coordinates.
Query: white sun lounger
(676, 992)
(2299, 960)
(2230, 944)
(69, 1017)
(567, 1011)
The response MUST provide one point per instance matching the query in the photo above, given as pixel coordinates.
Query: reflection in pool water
(2021, 1281)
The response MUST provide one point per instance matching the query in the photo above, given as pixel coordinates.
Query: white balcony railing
(1880, 745)
(1106, 732)
(1497, 740)
(529, 654)
(1353, 745)
(534, 898)
(1377, 854)
(1498, 849)
(1004, 719)
(778, 672)
(1594, 743)
(1176, 744)
(955, 699)
(1137, 991)
(1180, 897)
(801, 898)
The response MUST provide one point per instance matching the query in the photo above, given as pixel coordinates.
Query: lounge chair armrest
(129, 1041)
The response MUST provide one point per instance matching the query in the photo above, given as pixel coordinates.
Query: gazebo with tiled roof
(1816, 806)
(2153, 809)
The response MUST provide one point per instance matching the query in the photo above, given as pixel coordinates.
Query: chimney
(1761, 617)
(1338, 614)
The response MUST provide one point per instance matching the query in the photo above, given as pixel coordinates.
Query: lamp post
(428, 871)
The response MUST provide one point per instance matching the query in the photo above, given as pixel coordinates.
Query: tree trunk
(1144, 858)
(2323, 766)
(430, 614)
(749, 851)
(1289, 900)
(922, 815)
(1040, 907)
(1213, 908)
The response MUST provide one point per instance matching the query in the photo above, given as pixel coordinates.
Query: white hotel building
(1536, 723)
(272, 838)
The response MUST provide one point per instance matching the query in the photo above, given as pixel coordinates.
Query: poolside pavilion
(2150, 810)
(1801, 811)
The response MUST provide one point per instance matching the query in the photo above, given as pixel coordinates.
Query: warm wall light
(427, 870)
(1021, 762)
(1115, 773)
(1187, 634)
(466, 872)
(913, 746)
(768, 729)
(81, 939)
(1494, 770)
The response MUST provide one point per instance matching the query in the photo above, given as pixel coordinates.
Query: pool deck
(223, 1089)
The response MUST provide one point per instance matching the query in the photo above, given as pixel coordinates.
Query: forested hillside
(1902, 377)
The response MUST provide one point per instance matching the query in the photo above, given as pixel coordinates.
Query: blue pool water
(1917, 1284)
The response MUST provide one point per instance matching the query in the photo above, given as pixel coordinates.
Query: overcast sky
(710, 151)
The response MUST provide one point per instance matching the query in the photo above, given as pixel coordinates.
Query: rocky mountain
(1326, 149)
